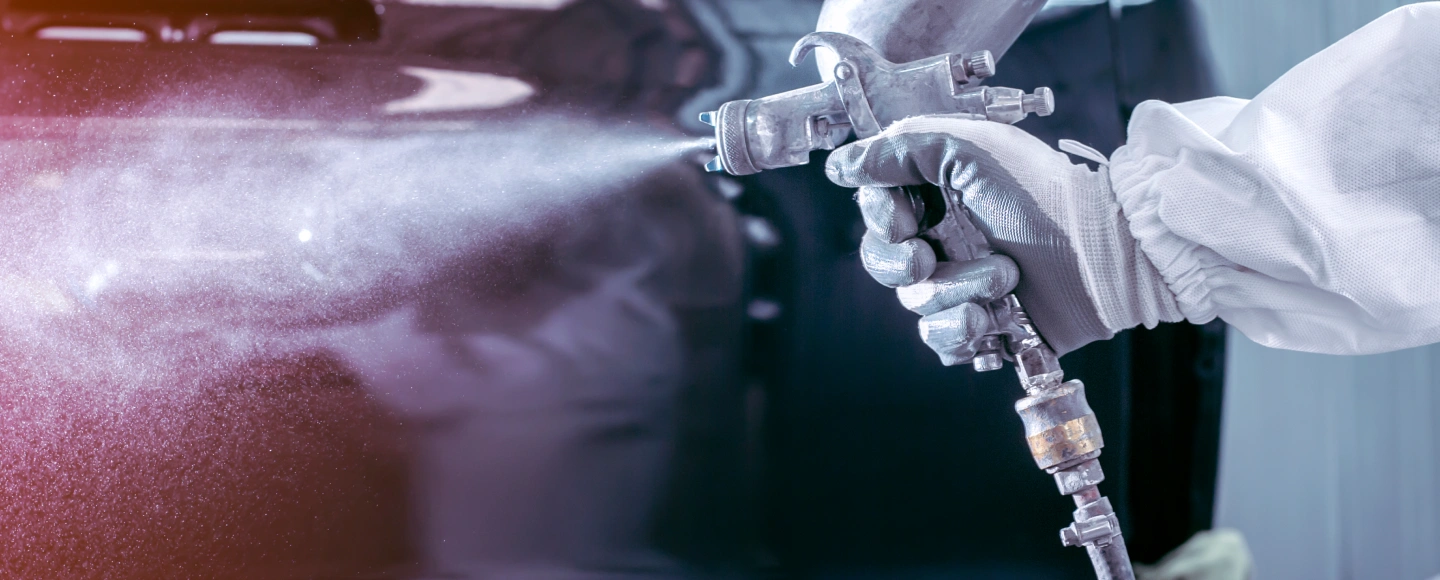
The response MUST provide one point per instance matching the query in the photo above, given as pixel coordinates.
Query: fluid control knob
(1042, 102)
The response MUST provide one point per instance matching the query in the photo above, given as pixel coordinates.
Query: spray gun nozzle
(708, 118)
(714, 165)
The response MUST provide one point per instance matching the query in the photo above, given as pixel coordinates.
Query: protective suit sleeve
(1309, 217)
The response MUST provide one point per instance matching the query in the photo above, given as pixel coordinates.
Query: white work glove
(1081, 275)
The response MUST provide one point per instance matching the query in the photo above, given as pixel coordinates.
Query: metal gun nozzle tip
(714, 166)
(708, 118)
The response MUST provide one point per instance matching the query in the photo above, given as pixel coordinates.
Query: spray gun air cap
(714, 165)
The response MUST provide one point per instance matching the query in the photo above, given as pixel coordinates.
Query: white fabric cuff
(1179, 264)
(1124, 285)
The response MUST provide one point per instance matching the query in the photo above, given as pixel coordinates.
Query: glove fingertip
(950, 329)
(843, 164)
(953, 284)
(1006, 275)
(923, 264)
(899, 264)
(886, 160)
(951, 359)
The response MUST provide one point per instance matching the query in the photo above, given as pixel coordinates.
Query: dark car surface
(409, 294)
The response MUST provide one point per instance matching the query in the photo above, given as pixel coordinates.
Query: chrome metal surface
(988, 361)
(867, 94)
(908, 30)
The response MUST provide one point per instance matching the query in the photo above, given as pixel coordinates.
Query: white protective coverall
(1308, 218)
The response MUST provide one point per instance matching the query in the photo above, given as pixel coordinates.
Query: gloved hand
(1081, 276)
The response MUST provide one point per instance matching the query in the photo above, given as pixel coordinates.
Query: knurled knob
(1041, 103)
(980, 64)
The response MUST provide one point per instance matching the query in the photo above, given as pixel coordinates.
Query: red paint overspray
(282, 468)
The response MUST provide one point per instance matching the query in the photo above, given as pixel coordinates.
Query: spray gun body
(869, 93)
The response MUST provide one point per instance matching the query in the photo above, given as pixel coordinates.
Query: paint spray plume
(155, 223)
(147, 265)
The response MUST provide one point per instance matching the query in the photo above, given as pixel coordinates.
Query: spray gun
(869, 93)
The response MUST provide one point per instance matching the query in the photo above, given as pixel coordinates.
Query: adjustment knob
(972, 66)
(1041, 103)
(980, 65)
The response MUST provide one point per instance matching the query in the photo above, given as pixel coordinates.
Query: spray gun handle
(946, 225)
